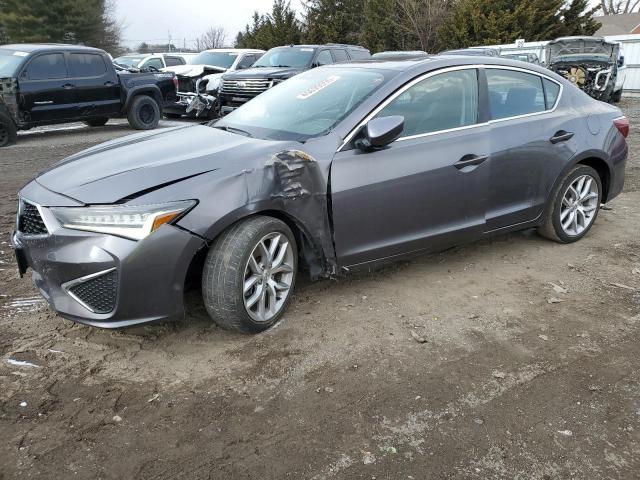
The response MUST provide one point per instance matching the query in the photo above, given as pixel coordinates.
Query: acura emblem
(242, 84)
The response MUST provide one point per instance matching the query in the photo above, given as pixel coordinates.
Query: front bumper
(149, 273)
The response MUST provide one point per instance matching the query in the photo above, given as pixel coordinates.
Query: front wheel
(573, 206)
(144, 113)
(8, 131)
(249, 274)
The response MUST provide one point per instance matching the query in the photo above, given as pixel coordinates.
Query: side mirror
(380, 132)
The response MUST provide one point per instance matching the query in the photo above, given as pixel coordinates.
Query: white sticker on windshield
(20, 54)
(320, 86)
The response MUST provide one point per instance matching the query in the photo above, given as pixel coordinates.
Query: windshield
(295, 57)
(10, 61)
(307, 105)
(131, 62)
(215, 59)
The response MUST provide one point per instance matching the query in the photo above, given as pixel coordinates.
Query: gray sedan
(341, 167)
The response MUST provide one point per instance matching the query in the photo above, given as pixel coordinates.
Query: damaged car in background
(593, 64)
(339, 168)
(199, 81)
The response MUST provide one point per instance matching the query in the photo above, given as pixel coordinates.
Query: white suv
(153, 60)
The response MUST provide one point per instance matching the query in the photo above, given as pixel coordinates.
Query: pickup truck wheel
(144, 113)
(97, 122)
(249, 274)
(8, 131)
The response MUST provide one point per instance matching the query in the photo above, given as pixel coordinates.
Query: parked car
(522, 57)
(592, 64)
(49, 84)
(198, 82)
(279, 64)
(153, 61)
(340, 168)
(473, 51)
(391, 55)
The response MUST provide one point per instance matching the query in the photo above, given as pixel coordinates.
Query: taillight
(622, 124)
(175, 82)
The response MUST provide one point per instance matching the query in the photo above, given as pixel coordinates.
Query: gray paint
(351, 208)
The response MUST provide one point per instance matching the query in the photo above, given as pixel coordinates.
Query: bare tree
(614, 7)
(214, 37)
(422, 18)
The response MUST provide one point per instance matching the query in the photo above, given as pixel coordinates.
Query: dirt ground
(530, 369)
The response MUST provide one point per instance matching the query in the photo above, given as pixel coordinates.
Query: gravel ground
(530, 368)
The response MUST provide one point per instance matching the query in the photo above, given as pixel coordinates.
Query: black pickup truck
(49, 84)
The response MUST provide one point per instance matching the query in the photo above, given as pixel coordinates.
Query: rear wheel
(144, 113)
(8, 131)
(97, 122)
(249, 274)
(574, 206)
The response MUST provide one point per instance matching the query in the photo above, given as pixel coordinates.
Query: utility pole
(169, 44)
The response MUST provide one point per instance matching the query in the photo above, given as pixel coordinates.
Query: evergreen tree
(279, 27)
(578, 18)
(334, 21)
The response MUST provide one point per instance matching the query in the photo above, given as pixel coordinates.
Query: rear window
(88, 65)
(551, 90)
(513, 93)
(45, 67)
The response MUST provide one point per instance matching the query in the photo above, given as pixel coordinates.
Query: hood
(194, 70)
(582, 48)
(265, 72)
(134, 165)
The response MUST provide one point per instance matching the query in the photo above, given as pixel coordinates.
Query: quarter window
(324, 58)
(174, 61)
(47, 67)
(513, 93)
(442, 102)
(341, 55)
(551, 90)
(88, 65)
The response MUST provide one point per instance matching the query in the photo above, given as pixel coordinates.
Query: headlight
(130, 221)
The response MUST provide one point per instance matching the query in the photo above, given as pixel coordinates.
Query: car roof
(41, 47)
(234, 50)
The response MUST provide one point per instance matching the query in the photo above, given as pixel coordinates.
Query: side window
(444, 101)
(513, 93)
(246, 62)
(46, 67)
(87, 65)
(173, 61)
(153, 62)
(324, 58)
(340, 55)
(551, 90)
(359, 54)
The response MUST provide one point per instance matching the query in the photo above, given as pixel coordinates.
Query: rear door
(428, 188)
(531, 141)
(98, 91)
(47, 91)
(340, 55)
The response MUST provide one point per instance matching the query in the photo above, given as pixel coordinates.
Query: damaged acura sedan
(341, 167)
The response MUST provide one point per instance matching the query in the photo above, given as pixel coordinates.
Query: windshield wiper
(233, 130)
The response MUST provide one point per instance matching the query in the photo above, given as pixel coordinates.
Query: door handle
(470, 161)
(561, 136)
(68, 86)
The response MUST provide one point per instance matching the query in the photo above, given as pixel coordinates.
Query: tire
(556, 212)
(616, 97)
(144, 113)
(97, 122)
(8, 131)
(227, 270)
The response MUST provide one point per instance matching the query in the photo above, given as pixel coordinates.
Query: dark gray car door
(427, 189)
(528, 149)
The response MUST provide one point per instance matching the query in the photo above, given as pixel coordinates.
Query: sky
(151, 21)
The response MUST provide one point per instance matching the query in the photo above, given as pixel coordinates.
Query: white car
(153, 60)
(204, 71)
(621, 77)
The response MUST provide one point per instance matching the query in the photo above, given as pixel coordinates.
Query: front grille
(99, 293)
(186, 85)
(30, 222)
(247, 88)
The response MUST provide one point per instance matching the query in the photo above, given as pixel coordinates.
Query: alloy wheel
(579, 205)
(268, 277)
(146, 114)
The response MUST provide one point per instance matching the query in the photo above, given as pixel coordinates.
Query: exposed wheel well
(311, 256)
(602, 168)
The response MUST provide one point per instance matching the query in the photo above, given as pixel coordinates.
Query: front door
(427, 190)
(47, 92)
